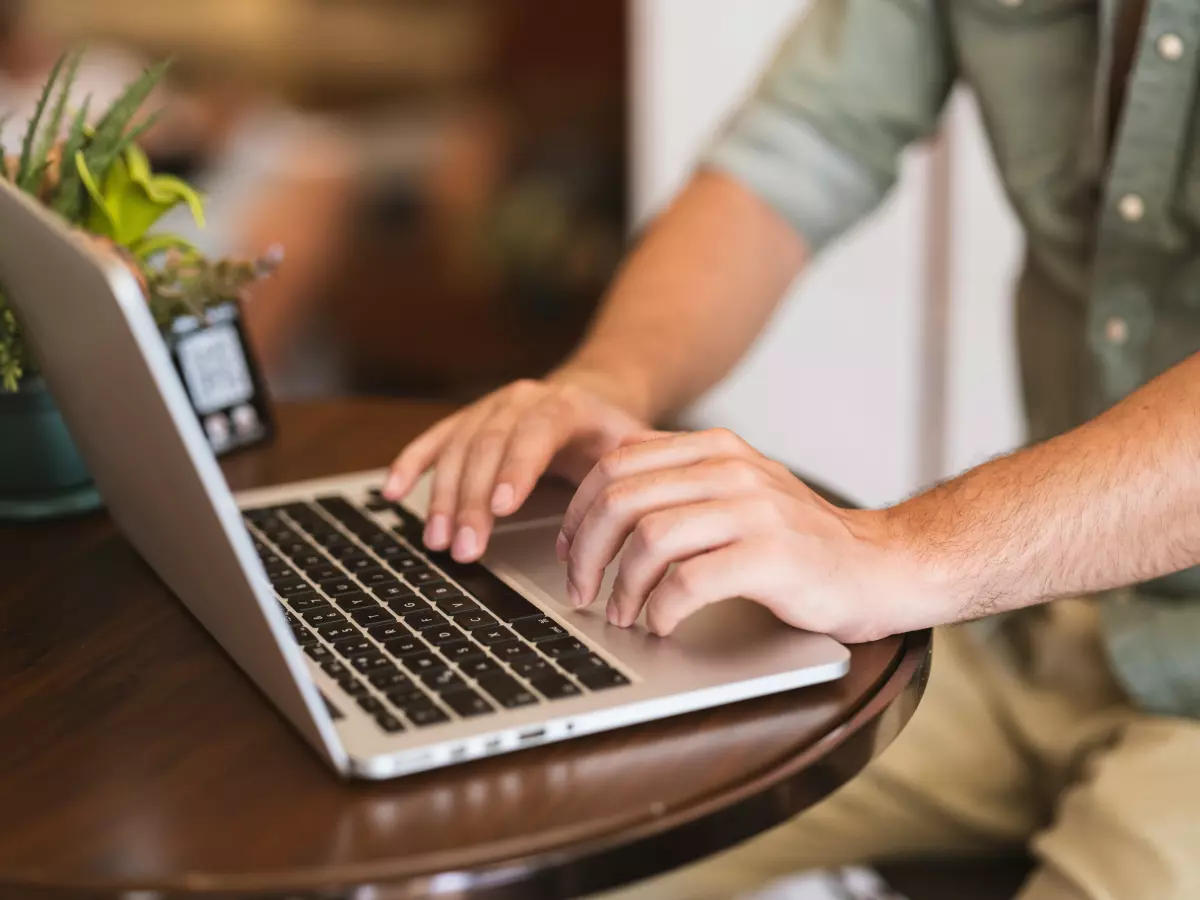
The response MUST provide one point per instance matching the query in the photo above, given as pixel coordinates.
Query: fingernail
(562, 548)
(465, 544)
(437, 532)
(391, 489)
(573, 593)
(613, 614)
(502, 499)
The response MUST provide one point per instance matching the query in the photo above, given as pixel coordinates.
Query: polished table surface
(134, 756)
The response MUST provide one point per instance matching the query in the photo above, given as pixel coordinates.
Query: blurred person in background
(270, 175)
(1065, 718)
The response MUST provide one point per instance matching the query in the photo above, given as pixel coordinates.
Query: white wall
(835, 387)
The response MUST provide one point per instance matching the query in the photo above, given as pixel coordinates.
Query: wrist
(623, 387)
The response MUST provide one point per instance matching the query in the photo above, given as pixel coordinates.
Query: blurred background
(455, 181)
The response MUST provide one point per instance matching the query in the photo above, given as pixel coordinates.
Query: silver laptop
(387, 658)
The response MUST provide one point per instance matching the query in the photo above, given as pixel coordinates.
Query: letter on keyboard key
(339, 631)
(426, 714)
(507, 691)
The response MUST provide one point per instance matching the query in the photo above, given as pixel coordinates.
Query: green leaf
(101, 220)
(69, 200)
(26, 164)
(53, 129)
(109, 138)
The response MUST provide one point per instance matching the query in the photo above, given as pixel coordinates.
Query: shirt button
(1131, 207)
(1116, 331)
(1170, 47)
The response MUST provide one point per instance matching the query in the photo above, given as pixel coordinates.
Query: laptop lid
(109, 371)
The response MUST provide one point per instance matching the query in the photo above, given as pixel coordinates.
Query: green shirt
(1110, 291)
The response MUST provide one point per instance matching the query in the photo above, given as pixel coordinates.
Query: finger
(447, 475)
(649, 455)
(539, 435)
(620, 506)
(670, 536)
(741, 569)
(415, 459)
(483, 459)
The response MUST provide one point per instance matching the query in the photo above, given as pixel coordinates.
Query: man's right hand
(487, 458)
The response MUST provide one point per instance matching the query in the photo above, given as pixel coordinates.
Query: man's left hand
(704, 517)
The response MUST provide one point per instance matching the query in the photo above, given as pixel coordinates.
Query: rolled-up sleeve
(821, 136)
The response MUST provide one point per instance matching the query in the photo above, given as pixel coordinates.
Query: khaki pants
(1105, 797)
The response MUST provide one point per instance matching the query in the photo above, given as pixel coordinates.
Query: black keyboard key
(303, 602)
(492, 635)
(280, 535)
(420, 621)
(407, 696)
(418, 663)
(343, 585)
(406, 563)
(319, 617)
(508, 651)
(389, 550)
(325, 572)
(356, 600)
(303, 636)
(280, 572)
(443, 680)
(260, 513)
(425, 714)
(271, 559)
(407, 604)
(338, 631)
(350, 551)
(439, 590)
(377, 504)
(391, 590)
(372, 663)
(467, 703)
(388, 722)
(343, 510)
(388, 681)
(333, 668)
(379, 539)
(289, 586)
(375, 616)
(406, 646)
(352, 647)
(318, 651)
(373, 576)
(456, 606)
(410, 526)
(289, 618)
(543, 628)
(531, 666)
(493, 594)
(371, 704)
(577, 664)
(419, 577)
(296, 550)
(474, 621)
(310, 560)
(357, 562)
(601, 679)
(479, 666)
(440, 636)
(564, 646)
(331, 539)
(459, 650)
(352, 685)
(553, 686)
(389, 631)
(296, 510)
(507, 691)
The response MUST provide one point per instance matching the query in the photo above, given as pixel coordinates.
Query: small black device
(222, 378)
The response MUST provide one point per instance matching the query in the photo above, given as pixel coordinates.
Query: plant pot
(41, 473)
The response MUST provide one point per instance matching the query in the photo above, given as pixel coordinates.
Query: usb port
(532, 735)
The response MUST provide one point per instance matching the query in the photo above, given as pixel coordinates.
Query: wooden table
(134, 756)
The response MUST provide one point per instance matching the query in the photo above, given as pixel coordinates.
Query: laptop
(387, 658)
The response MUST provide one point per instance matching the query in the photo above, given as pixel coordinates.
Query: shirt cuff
(816, 187)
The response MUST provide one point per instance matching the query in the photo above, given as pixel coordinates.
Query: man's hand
(488, 457)
(704, 517)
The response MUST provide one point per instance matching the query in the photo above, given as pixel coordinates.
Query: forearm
(692, 298)
(1113, 502)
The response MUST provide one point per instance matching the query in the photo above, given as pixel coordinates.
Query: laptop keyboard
(414, 637)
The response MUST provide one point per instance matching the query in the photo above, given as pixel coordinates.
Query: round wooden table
(134, 756)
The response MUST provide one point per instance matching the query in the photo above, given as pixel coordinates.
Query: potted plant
(94, 175)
